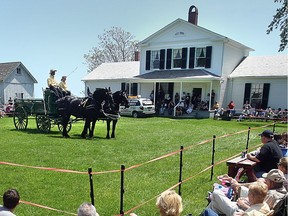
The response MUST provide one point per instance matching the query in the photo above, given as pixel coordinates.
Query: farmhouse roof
(210, 34)
(177, 74)
(9, 67)
(114, 70)
(262, 66)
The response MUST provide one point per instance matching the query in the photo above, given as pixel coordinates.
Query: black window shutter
(169, 56)
(148, 59)
(208, 56)
(184, 58)
(247, 92)
(134, 89)
(192, 57)
(265, 96)
(123, 85)
(162, 58)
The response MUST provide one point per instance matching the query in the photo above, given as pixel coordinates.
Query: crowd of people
(249, 112)
(266, 189)
(165, 104)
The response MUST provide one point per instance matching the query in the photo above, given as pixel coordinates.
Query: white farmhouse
(185, 58)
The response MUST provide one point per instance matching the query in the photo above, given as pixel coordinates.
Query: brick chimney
(136, 56)
(193, 15)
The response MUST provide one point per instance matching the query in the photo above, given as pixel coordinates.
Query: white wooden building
(183, 58)
(15, 82)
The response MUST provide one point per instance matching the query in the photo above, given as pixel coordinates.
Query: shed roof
(9, 67)
(262, 66)
(114, 70)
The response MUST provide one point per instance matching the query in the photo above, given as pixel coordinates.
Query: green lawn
(137, 142)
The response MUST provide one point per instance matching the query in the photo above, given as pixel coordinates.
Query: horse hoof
(66, 136)
(107, 137)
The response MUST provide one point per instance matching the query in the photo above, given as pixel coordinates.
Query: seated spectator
(10, 201)
(169, 203)
(283, 141)
(276, 192)
(255, 203)
(247, 105)
(216, 105)
(87, 209)
(268, 157)
(283, 166)
(245, 113)
(231, 108)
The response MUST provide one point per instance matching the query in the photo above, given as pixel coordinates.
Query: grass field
(137, 142)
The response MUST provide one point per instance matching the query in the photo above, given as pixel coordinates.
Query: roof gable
(186, 31)
(262, 66)
(8, 67)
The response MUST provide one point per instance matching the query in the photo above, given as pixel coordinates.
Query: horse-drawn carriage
(102, 104)
(44, 111)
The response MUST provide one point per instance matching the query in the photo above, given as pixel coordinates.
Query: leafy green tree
(115, 45)
(280, 20)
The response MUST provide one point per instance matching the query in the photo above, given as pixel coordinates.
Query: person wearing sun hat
(268, 156)
(53, 84)
(275, 181)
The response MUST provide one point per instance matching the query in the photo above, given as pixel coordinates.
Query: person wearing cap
(64, 87)
(274, 180)
(53, 84)
(268, 157)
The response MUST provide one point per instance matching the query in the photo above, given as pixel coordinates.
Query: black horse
(119, 98)
(88, 108)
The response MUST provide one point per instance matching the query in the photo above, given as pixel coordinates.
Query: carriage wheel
(43, 123)
(20, 118)
(68, 127)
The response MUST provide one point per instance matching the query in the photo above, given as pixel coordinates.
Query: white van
(138, 107)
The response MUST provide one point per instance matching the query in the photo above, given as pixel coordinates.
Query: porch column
(181, 90)
(154, 95)
(210, 95)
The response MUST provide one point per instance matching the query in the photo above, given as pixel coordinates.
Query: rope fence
(122, 170)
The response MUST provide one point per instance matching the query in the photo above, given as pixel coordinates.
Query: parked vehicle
(138, 107)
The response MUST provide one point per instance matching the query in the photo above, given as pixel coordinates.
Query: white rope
(112, 116)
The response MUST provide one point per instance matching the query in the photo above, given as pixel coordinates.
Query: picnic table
(239, 162)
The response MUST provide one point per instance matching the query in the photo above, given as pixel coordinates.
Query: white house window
(177, 58)
(256, 94)
(155, 59)
(19, 95)
(200, 57)
(18, 71)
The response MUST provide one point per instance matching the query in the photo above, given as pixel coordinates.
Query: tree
(115, 45)
(280, 19)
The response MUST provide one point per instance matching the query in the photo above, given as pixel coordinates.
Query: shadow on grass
(75, 137)
(34, 131)
(56, 134)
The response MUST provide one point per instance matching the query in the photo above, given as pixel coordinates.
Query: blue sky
(57, 33)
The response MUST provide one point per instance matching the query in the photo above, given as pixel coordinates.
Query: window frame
(177, 62)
